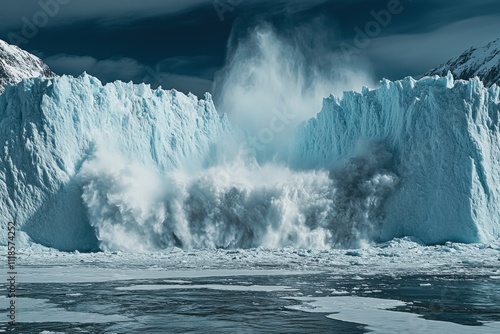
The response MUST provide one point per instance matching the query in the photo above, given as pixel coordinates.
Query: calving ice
(119, 166)
(440, 137)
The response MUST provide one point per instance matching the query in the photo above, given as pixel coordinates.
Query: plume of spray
(139, 206)
(134, 206)
(273, 81)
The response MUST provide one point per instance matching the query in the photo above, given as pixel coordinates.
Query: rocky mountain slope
(17, 64)
(483, 62)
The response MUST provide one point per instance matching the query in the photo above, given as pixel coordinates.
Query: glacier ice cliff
(439, 136)
(49, 128)
(119, 166)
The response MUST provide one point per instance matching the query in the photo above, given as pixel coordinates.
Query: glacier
(50, 128)
(86, 166)
(439, 136)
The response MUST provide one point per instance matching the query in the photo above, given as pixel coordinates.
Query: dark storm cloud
(127, 69)
(184, 42)
(419, 16)
(414, 54)
(112, 12)
(70, 11)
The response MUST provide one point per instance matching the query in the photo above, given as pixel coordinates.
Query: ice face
(123, 167)
(443, 137)
(50, 128)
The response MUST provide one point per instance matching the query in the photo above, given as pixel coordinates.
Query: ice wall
(49, 128)
(443, 140)
(123, 167)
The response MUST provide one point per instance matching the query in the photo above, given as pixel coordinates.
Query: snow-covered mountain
(17, 64)
(483, 62)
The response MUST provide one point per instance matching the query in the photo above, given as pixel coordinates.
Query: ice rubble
(123, 167)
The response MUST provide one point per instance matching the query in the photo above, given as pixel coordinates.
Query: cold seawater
(392, 288)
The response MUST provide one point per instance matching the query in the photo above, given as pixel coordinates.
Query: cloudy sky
(184, 43)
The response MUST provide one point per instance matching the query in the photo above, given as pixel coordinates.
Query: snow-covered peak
(16, 65)
(483, 62)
